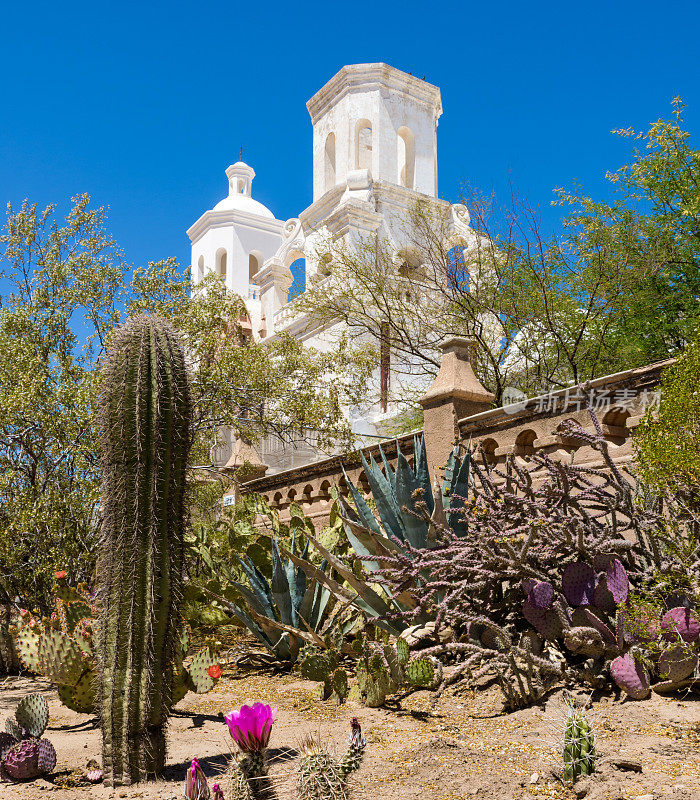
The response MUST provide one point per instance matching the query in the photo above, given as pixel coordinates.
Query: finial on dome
(240, 178)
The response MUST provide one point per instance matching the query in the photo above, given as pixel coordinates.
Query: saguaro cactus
(145, 422)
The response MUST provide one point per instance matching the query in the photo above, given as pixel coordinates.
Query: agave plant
(285, 611)
(407, 505)
(408, 509)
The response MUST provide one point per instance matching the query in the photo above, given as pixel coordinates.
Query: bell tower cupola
(376, 118)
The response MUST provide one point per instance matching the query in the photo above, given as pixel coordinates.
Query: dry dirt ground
(463, 747)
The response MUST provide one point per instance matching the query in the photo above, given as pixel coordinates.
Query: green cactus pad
(317, 665)
(375, 696)
(339, 681)
(27, 644)
(60, 658)
(84, 635)
(395, 668)
(67, 593)
(81, 696)
(402, 651)
(32, 715)
(12, 727)
(75, 612)
(424, 672)
(198, 679)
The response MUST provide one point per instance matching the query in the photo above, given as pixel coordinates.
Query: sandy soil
(463, 747)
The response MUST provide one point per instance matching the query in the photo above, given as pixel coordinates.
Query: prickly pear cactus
(424, 672)
(25, 756)
(323, 666)
(63, 646)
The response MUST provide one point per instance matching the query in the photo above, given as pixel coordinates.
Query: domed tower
(236, 237)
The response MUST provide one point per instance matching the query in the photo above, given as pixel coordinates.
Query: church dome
(240, 178)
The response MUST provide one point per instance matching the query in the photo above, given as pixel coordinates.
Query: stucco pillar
(274, 280)
(455, 393)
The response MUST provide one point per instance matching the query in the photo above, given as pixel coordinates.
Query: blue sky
(143, 105)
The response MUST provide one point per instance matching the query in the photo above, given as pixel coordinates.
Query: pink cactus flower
(196, 786)
(218, 792)
(251, 726)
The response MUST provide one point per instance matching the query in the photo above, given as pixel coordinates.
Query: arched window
(407, 157)
(253, 266)
(329, 162)
(525, 443)
(221, 264)
(363, 145)
(487, 448)
(200, 269)
(298, 269)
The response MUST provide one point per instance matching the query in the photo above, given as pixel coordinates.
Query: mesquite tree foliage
(146, 414)
(533, 587)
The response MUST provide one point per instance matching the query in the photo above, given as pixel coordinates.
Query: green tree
(652, 226)
(667, 442)
(66, 286)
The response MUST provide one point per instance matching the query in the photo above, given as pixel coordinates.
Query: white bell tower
(375, 117)
(235, 238)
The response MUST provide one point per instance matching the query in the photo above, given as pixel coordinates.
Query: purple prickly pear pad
(541, 595)
(578, 583)
(630, 676)
(617, 580)
(680, 622)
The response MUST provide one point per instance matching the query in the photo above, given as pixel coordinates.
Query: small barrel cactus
(320, 776)
(579, 746)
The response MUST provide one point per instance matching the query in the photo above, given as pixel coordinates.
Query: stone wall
(520, 429)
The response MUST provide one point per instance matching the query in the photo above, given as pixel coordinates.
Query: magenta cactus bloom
(196, 786)
(218, 792)
(251, 726)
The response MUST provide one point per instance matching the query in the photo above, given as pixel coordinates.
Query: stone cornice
(294, 475)
(314, 215)
(353, 214)
(401, 197)
(364, 77)
(640, 378)
(219, 219)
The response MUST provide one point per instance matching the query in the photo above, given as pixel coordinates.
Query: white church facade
(374, 156)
